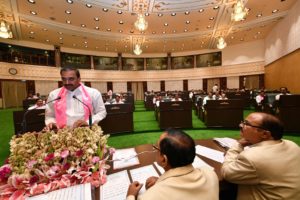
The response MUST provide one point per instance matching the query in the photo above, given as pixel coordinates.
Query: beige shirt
(184, 183)
(267, 170)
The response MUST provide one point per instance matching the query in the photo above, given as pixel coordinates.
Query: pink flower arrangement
(46, 161)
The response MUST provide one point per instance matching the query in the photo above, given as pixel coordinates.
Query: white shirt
(36, 107)
(277, 97)
(259, 99)
(179, 99)
(207, 98)
(75, 109)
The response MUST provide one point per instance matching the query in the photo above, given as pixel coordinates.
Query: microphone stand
(24, 121)
(90, 113)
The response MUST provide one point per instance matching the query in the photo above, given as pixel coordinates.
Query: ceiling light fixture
(137, 49)
(141, 24)
(239, 11)
(5, 31)
(221, 43)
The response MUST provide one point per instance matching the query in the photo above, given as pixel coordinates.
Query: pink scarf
(60, 106)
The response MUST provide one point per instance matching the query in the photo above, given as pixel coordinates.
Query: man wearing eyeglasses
(176, 153)
(269, 168)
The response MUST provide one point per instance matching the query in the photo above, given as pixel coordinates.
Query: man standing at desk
(73, 103)
(269, 168)
(176, 153)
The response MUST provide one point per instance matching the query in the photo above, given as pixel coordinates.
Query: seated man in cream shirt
(264, 165)
(68, 109)
(176, 153)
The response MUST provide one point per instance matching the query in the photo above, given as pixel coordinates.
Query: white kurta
(75, 109)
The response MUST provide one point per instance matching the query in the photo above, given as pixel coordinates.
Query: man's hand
(150, 182)
(49, 127)
(134, 188)
(244, 142)
(80, 123)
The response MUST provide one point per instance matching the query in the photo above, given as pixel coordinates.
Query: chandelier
(221, 43)
(239, 11)
(137, 49)
(141, 24)
(5, 31)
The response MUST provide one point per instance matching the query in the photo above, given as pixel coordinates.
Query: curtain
(211, 82)
(137, 90)
(13, 92)
(252, 82)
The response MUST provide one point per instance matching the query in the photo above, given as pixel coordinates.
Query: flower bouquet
(46, 161)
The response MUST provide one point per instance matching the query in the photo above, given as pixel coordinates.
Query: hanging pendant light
(221, 43)
(239, 11)
(141, 24)
(5, 31)
(137, 49)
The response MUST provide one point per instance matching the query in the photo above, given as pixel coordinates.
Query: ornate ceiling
(108, 25)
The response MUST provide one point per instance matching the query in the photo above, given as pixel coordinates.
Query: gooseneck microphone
(90, 113)
(24, 121)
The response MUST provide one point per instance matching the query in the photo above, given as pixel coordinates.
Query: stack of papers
(125, 158)
(115, 187)
(210, 153)
(77, 192)
(117, 184)
(225, 142)
(141, 174)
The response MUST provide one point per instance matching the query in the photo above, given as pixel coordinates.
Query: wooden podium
(119, 119)
(35, 120)
(175, 114)
(224, 113)
(289, 110)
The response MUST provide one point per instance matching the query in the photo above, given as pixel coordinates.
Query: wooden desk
(35, 120)
(175, 114)
(119, 119)
(28, 102)
(224, 113)
(149, 102)
(227, 190)
(289, 110)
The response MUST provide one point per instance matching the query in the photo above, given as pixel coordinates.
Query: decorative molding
(31, 72)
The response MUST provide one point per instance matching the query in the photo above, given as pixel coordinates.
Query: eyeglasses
(155, 147)
(245, 122)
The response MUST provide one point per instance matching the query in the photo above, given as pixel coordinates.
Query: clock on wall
(13, 71)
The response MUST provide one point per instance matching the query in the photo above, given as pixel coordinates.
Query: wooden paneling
(185, 85)
(30, 86)
(110, 86)
(284, 73)
(162, 86)
(204, 84)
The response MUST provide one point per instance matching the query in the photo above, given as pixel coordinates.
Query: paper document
(210, 153)
(125, 158)
(225, 142)
(115, 187)
(141, 174)
(199, 163)
(77, 192)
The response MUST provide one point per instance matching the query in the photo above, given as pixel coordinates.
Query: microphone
(24, 121)
(90, 113)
